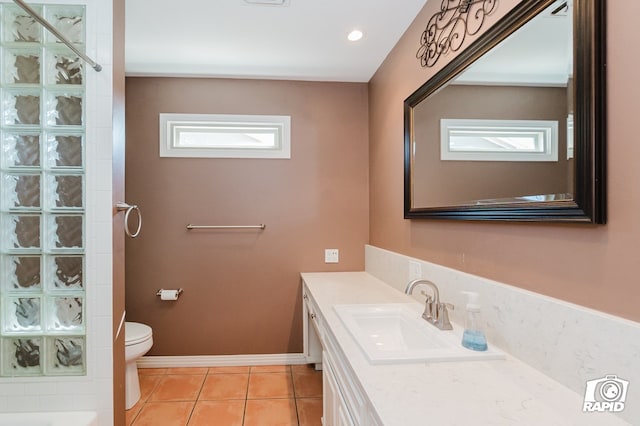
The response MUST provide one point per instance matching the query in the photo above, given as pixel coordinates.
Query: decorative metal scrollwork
(447, 29)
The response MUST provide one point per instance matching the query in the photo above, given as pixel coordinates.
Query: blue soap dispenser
(473, 337)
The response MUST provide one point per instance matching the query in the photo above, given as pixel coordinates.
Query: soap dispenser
(473, 337)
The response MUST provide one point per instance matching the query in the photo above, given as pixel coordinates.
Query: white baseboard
(219, 360)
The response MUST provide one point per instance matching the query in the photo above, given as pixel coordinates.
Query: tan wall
(594, 266)
(442, 183)
(242, 288)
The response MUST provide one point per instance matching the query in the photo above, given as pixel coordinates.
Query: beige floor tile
(225, 386)
(307, 384)
(177, 387)
(229, 370)
(132, 413)
(309, 411)
(187, 370)
(147, 385)
(304, 368)
(218, 413)
(270, 369)
(270, 385)
(270, 412)
(164, 414)
(218, 396)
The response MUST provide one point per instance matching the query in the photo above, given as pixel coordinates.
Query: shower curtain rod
(58, 35)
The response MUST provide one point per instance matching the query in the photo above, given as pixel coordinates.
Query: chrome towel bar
(261, 226)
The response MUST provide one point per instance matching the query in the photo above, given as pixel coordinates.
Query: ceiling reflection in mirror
(496, 104)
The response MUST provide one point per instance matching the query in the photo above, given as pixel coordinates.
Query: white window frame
(544, 131)
(172, 126)
(570, 141)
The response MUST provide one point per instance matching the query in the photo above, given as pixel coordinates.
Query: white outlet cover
(415, 270)
(331, 255)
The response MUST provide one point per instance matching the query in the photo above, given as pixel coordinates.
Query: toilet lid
(134, 332)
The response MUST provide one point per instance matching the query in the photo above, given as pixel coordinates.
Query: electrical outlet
(415, 270)
(331, 255)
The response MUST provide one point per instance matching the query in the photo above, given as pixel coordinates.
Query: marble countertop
(499, 392)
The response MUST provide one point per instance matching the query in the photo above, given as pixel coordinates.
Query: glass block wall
(42, 194)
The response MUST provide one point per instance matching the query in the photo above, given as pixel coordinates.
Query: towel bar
(261, 226)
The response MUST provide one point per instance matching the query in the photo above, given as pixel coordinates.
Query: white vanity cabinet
(334, 407)
(311, 341)
(360, 393)
(344, 401)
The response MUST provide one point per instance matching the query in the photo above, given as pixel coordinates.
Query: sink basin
(396, 333)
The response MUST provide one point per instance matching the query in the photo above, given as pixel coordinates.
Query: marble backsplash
(567, 342)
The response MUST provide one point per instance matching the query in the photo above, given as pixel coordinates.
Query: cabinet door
(343, 417)
(370, 417)
(311, 342)
(330, 395)
(335, 412)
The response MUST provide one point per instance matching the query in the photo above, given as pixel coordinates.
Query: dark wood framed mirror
(468, 106)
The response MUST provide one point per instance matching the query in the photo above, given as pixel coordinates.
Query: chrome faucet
(435, 312)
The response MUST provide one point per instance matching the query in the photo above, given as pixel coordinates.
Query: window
(225, 136)
(498, 140)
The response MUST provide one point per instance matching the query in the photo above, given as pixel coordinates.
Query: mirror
(514, 128)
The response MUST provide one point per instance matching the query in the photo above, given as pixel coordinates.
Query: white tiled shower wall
(93, 392)
(569, 343)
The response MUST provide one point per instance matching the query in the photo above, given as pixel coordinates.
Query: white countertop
(501, 392)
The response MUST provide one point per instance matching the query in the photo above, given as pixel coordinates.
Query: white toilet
(138, 340)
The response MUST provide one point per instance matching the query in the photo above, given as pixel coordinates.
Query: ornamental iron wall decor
(447, 29)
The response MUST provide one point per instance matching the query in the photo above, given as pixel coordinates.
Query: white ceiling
(539, 53)
(302, 40)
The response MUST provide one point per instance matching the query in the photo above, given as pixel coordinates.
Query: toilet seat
(135, 333)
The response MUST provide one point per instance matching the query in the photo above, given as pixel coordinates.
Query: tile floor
(229, 396)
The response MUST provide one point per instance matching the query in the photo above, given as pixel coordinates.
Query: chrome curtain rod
(58, 35)
(261, 226)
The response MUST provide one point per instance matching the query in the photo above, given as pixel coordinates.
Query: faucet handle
(429, 312)
(442, 317)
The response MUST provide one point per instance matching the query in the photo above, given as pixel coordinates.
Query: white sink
(392, 333)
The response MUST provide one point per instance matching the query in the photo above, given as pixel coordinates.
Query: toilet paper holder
(178, 292)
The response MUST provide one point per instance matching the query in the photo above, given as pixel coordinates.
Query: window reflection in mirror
(528, 76)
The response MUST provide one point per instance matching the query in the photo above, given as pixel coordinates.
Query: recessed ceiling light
(354, 35)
